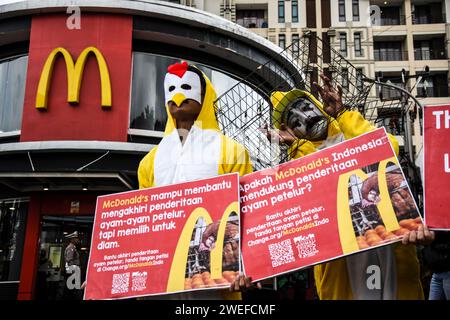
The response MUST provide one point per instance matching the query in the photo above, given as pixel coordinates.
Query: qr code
(138, 281)
(120, 283)
(281, 253)
(306, 246)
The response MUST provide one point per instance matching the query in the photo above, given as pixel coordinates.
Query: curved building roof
(162, 27)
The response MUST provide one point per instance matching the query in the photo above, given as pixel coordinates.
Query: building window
(312, 50)
(281, 11)
(52, 243)
(341, 10)
(294, 11)
(389, 51)
(295, 45)
(391, 16)
(343, 43)
(422, 50)
(251, 18)
(326, 13)
(310, 13)
(282, 41)
(435, 85)
(13, 218)
(358, 49)
(428, 13)
(12, 90)
(388, 93)
(359, 79)
(344, 78)
(355, 9)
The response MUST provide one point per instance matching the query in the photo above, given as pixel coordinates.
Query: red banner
(344, 199)
(436, 149)
(167, 239)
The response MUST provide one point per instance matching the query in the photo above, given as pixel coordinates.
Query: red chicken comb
(178, 69)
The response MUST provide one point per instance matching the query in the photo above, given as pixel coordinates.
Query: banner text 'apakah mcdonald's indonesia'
(337, 201)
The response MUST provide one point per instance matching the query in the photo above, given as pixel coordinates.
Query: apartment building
(395, 41)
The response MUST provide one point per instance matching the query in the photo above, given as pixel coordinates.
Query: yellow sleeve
(227, 295)
(409, 286)
(332, 281)
(353, 124)
(145, 170)
(235, 158)
(300, 148)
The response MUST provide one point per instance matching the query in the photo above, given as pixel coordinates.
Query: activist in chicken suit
(193, 147)
(305, 126)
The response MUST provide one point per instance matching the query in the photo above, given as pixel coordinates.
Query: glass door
(13, 219)
(51, 282)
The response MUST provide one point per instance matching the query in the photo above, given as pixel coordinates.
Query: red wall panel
(30, 250)
(112, 35)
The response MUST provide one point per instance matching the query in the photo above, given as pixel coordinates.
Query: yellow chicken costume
(205, 153)
(347, 278)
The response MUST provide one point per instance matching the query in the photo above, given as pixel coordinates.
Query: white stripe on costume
(198, 158)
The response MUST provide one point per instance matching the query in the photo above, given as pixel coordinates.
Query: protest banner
(167, 239)
(436, 153)
(338, 201)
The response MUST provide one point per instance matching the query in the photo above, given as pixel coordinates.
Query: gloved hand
(331, 97)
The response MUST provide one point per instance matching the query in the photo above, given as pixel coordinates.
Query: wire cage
(245, 110)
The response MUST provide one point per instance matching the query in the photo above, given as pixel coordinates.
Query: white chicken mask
(181, 84)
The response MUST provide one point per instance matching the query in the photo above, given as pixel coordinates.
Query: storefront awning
(70, 165)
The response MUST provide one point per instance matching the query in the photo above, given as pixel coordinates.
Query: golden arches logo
(74, 76)
(178, 268)
(387, 213)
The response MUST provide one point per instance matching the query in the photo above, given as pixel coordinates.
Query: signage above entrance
(74, 76)
(79, 78)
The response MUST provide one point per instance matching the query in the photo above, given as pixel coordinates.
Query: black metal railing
(359, 53)
(252, 22)
(391, 55)
(393, 123)
(393, 21)
(387, 93)
(428, 54)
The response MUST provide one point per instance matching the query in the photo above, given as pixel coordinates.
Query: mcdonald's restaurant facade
(81, 102)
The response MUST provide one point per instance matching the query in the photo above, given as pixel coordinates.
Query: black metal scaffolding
(245, 108)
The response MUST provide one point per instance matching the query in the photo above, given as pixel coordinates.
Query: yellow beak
(178, 99)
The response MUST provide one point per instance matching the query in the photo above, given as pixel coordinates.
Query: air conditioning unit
(331, 32)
